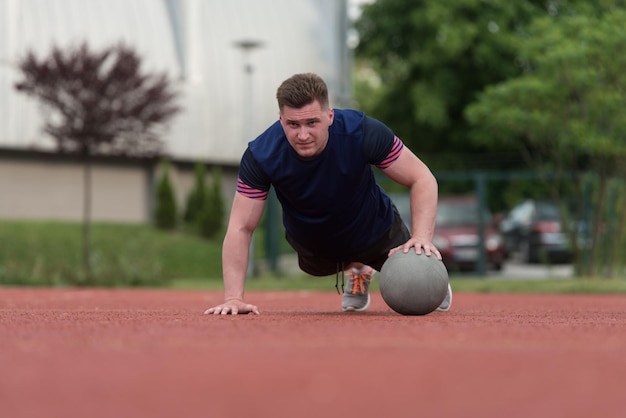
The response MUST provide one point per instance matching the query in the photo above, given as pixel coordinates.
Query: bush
(197, 196)
(205, 205)
(165, 213)
(212, 215)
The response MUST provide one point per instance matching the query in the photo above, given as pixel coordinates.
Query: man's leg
(356, 296)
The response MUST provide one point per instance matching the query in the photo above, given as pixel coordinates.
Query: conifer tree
(212, 215)
(197, 196)
(165, 212)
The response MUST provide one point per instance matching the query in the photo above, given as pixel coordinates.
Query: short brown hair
(302, 89)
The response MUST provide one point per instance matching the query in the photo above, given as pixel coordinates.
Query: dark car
(457, 234)
(532, 230)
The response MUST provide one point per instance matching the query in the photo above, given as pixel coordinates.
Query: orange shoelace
(359, 280)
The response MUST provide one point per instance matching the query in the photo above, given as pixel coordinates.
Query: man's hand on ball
(417, 244)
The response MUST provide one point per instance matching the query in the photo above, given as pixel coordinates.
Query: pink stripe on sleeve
(250, 192)
(393, 155)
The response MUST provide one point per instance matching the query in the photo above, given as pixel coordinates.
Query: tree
(197, 196)
(433, 57)
(212, 214)
(205, 204)
(420, 63)
(165, 213)
(98, 103)
(566, 110)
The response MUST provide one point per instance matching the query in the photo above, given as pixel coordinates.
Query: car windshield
(459, 214)
(547, 212)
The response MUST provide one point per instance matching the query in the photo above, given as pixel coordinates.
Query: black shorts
(374, 256)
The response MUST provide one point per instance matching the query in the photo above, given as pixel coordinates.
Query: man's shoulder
(349, 112)
(348, 120)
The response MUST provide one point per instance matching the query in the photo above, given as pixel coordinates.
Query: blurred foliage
(211, 217)
(165, 212)
(432, 57)
(204, 212)
(420, 64)
(566, 111)
(197, 195)
(506, 87)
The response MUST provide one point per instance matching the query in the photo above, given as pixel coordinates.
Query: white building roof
(193, 41)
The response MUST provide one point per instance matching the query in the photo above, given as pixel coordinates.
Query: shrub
(212, 214)
(197, 196)
(165, 213)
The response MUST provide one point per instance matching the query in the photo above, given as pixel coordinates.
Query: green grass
(539, 286)
(472, 285)
(49, 254)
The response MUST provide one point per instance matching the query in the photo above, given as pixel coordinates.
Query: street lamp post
(247, 46)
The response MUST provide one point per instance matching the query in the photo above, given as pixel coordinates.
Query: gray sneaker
(356, 296)
(447, 301)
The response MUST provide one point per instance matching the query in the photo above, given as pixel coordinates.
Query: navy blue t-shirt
(331, 203)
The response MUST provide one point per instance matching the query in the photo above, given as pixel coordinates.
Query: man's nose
(303, 133)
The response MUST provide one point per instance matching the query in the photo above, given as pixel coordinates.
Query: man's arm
(411, 172)
(245, 216)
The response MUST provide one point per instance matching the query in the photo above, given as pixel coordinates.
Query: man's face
(306, 128)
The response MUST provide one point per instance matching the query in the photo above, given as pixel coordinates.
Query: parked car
(457, 234)
(533, 231)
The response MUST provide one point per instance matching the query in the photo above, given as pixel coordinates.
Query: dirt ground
(152, 353)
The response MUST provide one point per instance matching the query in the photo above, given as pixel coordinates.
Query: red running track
(152, 353)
